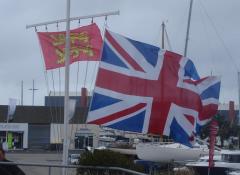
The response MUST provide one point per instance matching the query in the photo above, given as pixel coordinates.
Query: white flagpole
(66, 98)
(67, 60)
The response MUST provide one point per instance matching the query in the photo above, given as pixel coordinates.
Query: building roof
(42, 114)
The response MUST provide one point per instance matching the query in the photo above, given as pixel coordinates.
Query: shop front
(14, 135)
(83, 138)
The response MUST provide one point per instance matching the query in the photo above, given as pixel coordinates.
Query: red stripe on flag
(118, 115)
(123, 53)
(190, 119)
(208, 112)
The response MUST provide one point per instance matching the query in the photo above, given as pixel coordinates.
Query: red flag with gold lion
(86, 43)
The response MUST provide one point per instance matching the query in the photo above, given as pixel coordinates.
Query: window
(82, 142)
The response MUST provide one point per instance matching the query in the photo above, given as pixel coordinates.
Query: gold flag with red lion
(86, 43)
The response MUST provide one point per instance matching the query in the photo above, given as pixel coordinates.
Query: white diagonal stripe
(133, 52)
(118, 55)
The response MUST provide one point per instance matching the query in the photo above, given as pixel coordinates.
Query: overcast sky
(213, 46)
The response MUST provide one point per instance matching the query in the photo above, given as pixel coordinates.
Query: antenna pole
(33, 89)
(188, 28)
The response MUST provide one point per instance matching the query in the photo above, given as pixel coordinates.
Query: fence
(56, 169)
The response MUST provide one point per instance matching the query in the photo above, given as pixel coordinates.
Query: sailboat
(169, 152)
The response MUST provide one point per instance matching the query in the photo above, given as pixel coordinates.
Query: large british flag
(142, 88)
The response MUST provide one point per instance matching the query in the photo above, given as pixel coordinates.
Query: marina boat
(169, 152)
(224, 163)
(117, 143)
(106, 137)
(120, 146)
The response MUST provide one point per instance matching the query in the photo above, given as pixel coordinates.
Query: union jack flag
(142, 88)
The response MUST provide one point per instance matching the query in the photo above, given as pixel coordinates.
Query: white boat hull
(168, 152)
(124, 151)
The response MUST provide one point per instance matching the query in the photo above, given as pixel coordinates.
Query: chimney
(231, 112)
(84, 98)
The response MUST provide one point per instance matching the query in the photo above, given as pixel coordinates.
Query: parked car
(74, 159)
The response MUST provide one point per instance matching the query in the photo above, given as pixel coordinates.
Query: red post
(213, 134)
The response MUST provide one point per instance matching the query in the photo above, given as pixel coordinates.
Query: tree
(226, 129)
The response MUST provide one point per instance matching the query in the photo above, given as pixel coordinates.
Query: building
(41, 127)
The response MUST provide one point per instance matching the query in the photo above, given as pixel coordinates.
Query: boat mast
(163, 31)
(188, 28)
(238, 98)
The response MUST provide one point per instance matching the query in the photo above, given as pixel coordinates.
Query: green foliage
(108, 158)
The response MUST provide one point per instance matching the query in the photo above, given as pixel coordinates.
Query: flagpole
(67, 58)
(66, 97)
(6, 139)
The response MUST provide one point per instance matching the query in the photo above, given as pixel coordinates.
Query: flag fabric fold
(142, 88)
(85, 42)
